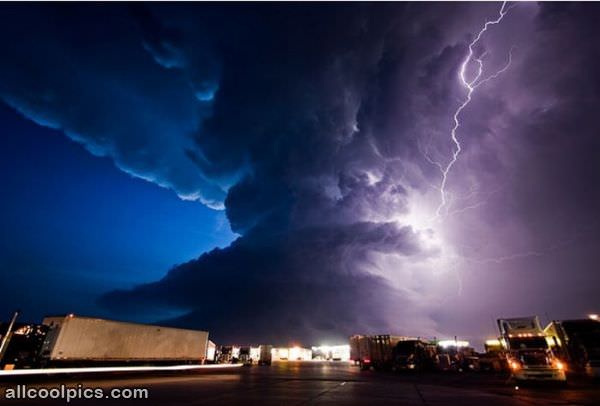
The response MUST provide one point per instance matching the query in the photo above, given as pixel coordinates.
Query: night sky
(275, 173)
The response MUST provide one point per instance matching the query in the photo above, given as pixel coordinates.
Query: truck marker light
(560, 365)
(514, 365)
(367, 361)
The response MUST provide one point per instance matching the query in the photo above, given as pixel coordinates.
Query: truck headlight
(514, 365)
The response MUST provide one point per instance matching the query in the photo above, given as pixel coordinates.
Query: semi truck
(528, 353)
(225, 355)
(23, 348)
(245, 356)
(577, 342)
(456, 355)
(494, 357)
(265, 356)
(416, 354)
(374, 351)
(75, 340)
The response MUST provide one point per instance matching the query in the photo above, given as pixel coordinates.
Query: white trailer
(211, 352)
(84, 340)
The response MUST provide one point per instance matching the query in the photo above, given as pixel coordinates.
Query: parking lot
(308, 383)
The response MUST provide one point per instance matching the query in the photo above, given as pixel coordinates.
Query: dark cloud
(318, 129)
(281, 287)
(91, 73)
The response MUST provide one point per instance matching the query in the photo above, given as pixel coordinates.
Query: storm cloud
(317, 129)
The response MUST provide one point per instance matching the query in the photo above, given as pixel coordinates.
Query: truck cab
(413, 355)
(529, 356)
(244, 356)
(494, 358)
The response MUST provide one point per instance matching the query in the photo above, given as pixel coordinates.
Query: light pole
(7, 336)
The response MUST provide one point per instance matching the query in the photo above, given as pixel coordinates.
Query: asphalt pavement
(311, 383)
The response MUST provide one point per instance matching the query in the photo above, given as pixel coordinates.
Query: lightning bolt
(476, 204)
(470, 85)
(558, 246)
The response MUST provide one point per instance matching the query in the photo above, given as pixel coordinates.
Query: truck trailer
(75, 340)
(265, 355)
(578, 343)
(374, 351)
(528, 353)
